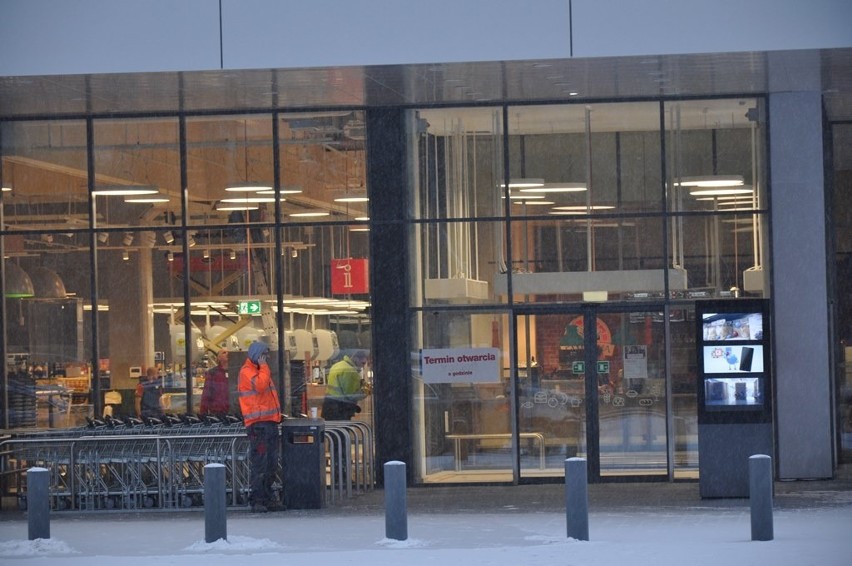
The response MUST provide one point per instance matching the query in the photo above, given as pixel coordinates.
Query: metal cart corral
(161, 465)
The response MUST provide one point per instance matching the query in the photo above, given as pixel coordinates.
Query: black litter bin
(303, 463)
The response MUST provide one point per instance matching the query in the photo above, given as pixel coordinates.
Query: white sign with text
(460, 365)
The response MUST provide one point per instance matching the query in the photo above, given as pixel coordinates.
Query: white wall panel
(51, 37)
(308, 33)
(623, 27)
(101, 36)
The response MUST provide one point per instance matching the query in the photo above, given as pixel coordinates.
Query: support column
(799, 263)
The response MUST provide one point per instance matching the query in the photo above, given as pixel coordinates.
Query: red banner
(350, 276)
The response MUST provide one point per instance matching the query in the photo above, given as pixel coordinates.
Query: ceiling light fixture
(583, 207)
(283, 191)
(18, 283)
(556, 188)
(708, 181)
(721, 191)
(229, 207)
(125, 255)
(6, 189)
(146, 200)
(233, 254)
(206, 254)
(523, 183)
(308, 214)
(534, 202)
(170, 256)
(249, 200)
(248, 188)
(125, 190)
(103, 237)
(128, 238)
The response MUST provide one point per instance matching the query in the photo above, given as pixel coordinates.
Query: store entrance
(591, 383)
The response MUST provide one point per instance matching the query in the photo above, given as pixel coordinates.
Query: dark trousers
(263, 459)
(337, 410)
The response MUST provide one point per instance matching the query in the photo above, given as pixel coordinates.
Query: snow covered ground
(687, 535)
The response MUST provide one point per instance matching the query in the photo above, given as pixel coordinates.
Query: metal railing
(161, 466)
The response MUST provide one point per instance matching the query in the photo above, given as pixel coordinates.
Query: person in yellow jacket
(261, 415)
(344, 388)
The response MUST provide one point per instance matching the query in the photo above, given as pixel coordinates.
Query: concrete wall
(45, 37)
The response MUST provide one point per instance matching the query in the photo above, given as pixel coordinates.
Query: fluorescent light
(309, 214)
(523, 183)
(352, 198)
(146, 199)
(249, 199)
(720, 191)
(283, 191)
(583, 207)
(125, 190)
(534, 202)
(6, 189)
(556, 188)
(524, 197)
(708, 181)
(247, 188)
(237, 207)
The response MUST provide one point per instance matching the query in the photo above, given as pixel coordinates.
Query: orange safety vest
(258, 398)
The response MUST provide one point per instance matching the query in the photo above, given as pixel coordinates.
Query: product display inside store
(114, 266)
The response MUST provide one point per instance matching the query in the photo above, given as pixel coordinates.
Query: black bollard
(38, 503)
(396, 513)
(215, 516)
(760, 496)
(577, 498)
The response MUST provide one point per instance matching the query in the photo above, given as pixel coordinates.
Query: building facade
(555, 220)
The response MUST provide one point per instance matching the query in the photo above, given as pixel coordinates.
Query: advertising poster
(635, 361)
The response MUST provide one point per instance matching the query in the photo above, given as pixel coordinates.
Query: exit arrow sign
(249, 307)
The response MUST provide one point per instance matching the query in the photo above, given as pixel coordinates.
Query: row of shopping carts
(159, 463)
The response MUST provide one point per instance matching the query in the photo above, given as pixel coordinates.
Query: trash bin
(303, 463)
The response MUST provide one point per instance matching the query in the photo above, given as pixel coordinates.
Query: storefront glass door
(598, 395)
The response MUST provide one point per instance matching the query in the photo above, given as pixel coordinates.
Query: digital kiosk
(734, 393)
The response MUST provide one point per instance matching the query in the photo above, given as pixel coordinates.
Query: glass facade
(614, 217)
(561, 243)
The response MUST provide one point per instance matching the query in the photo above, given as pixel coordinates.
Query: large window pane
(463, 427)
(137, 173)
(459, 262)
(599, 159)
(323, 166)
(45, 179)
(48, 326)
(459, 163)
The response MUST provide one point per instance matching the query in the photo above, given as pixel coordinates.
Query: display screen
(733, 392)
(733, 359)
(732, 326)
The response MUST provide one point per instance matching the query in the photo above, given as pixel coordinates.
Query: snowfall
(512, 534)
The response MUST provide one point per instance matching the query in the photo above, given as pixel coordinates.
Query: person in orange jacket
(261, 414)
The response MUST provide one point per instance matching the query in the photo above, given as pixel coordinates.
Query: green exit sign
(603, 367)
(578, 368)
(249, 307)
